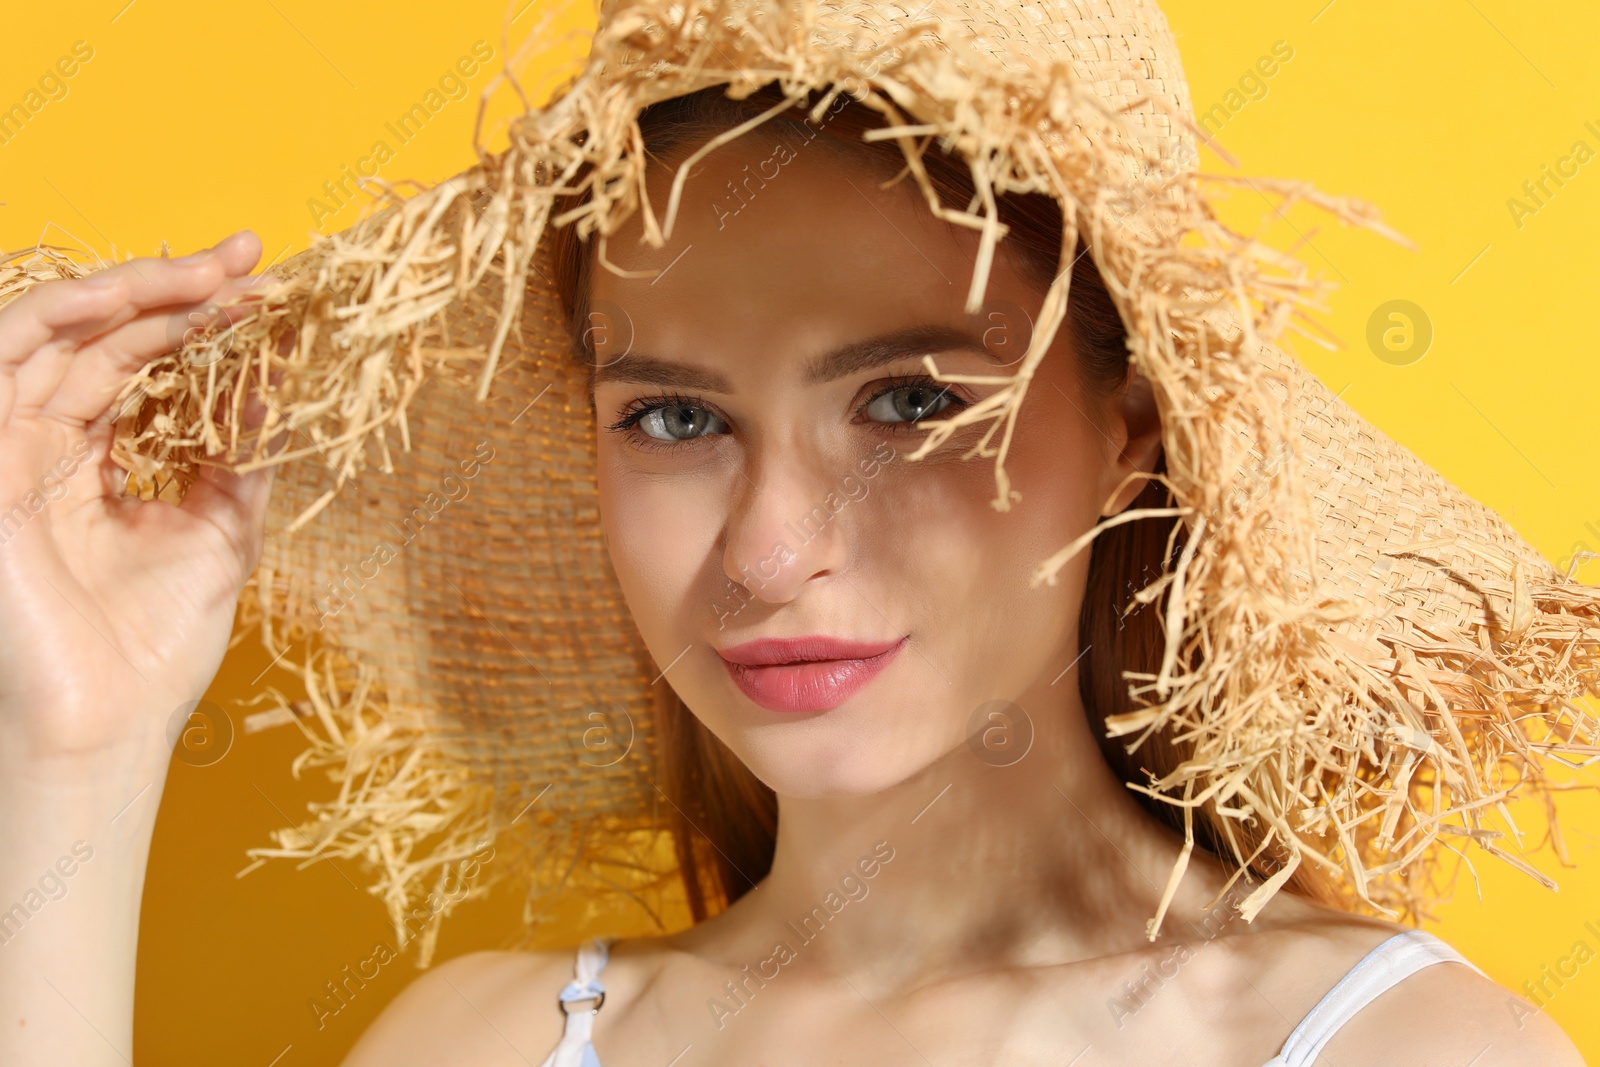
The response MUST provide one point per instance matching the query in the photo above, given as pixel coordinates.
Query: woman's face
(756, 401)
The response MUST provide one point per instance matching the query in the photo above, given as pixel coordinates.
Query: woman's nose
(784, 529)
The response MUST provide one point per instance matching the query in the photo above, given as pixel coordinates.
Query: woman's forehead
(756, 196)
(774, 235)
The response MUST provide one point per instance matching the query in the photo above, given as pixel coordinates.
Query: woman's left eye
(910, 403)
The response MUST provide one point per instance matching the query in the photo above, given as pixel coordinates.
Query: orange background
(193, 120)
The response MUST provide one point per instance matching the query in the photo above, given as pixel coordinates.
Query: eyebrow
(845, 360)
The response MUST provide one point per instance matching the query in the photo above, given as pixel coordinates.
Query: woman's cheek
(661, 535)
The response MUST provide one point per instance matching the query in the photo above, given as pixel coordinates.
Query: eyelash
(639, 408)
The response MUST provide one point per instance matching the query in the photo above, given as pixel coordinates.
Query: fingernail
(102, 279)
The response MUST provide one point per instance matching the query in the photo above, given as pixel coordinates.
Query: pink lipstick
(806, 673)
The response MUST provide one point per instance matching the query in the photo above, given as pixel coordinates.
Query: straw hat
(1362, 658)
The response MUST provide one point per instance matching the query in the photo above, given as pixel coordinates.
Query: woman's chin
(827, 783)
(850, 769)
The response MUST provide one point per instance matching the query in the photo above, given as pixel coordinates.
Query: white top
(1396, 959)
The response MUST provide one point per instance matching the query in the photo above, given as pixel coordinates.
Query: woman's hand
(114, 611)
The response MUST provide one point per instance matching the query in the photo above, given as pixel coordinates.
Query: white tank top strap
(575, 1048)
(1394, 960)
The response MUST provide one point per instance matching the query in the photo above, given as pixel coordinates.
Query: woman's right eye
(674, 421)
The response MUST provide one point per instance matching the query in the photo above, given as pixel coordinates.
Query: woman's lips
(806, 673)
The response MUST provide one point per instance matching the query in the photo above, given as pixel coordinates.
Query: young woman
(922, 873)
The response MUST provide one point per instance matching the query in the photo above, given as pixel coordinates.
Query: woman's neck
(969, 865)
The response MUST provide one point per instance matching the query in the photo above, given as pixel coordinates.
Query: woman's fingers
(89, 305)
(42, 332)
(99, 368)
(39, 373)
(35, 317)
(238, 252)
(67, 349)
(154, 283)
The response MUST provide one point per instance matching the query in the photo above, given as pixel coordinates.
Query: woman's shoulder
(1451, 1013)
(485, 1009)
(1446, 1013)
(480, 1009)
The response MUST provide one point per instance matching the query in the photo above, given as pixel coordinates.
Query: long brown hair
(724, 819)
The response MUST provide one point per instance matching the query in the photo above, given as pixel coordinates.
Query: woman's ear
(1134, 425)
